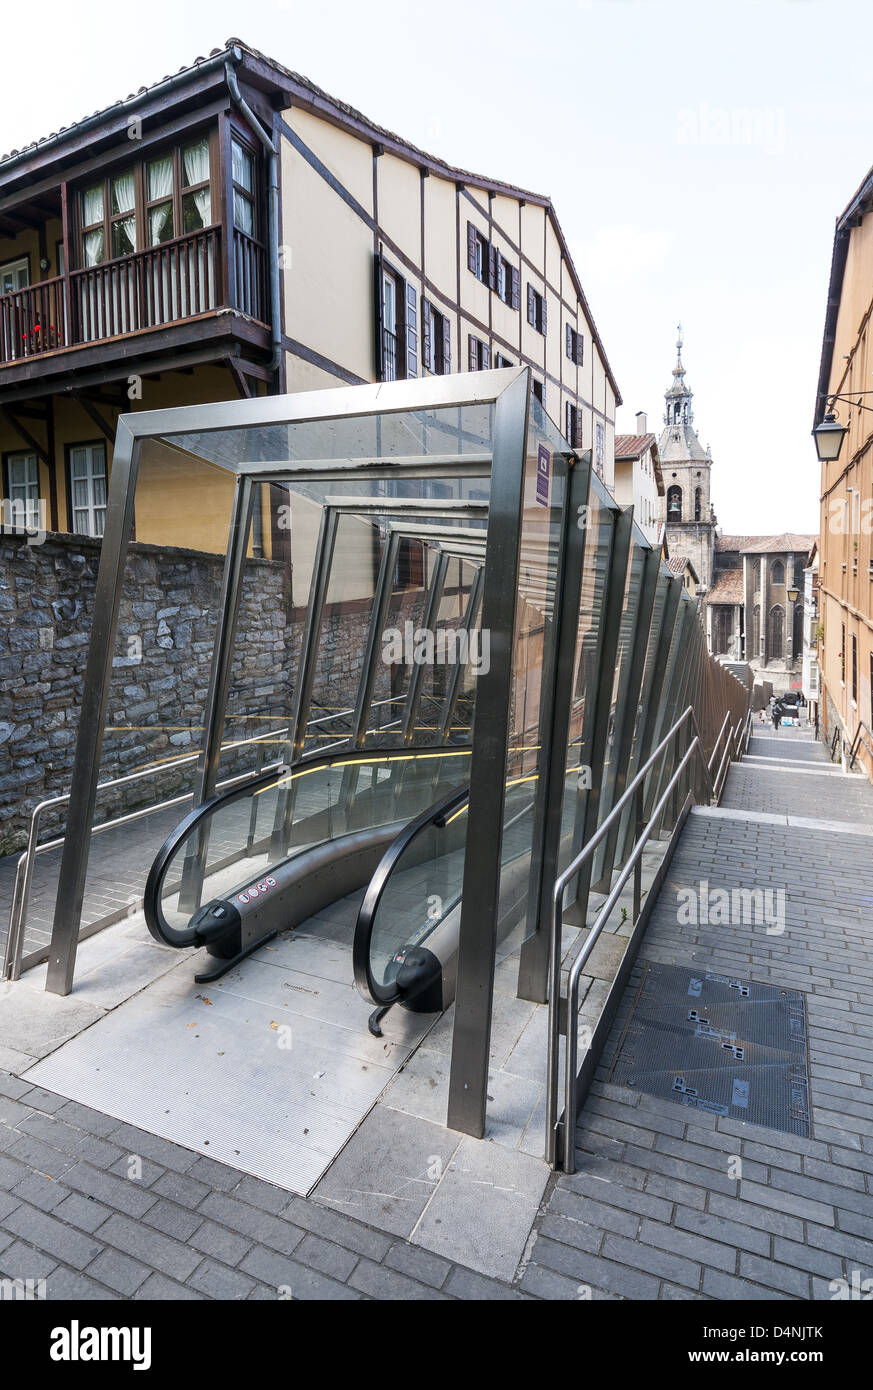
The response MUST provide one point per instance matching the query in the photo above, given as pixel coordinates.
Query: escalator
(285, 844)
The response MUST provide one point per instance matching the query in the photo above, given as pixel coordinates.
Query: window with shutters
(398, 325)
(436, 340)
(573, 425)
(536, 309)
(479, 355)
(854, 669)
(477, 253)
(574, 345)
(843, 655)
(507, 282)
(501, 361)
(538, 390)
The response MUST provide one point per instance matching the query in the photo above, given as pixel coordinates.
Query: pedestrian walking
(777, 715)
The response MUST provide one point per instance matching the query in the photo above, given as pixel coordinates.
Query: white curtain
(161, 178)
(123, 192)
(195, 163)
(92, 205)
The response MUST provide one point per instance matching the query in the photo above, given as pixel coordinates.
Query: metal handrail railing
(23, 881)
(24, 868)
(632, 865)
(855, 747)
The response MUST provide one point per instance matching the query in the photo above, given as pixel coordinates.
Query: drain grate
(718, 1043)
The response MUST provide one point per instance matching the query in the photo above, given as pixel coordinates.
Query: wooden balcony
(181, 279)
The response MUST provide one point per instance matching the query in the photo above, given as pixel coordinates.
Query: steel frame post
(95, 696)
(615, 587)
(666, 716)
(193, 866)
(651, 694)
(431, 610)
(533, 972)
(286, 795)
(450, 699)
(625, 731)
(477, 940)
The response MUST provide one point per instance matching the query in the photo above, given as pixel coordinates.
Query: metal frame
(477, 942)
(508, 393)
(533, 974)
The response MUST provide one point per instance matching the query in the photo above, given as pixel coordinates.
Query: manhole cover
(718, 1043)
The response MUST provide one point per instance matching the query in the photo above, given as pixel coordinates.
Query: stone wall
(164, 651)
(161, 668)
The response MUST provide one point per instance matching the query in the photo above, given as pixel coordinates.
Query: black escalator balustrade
(277, 848)
(406, 934)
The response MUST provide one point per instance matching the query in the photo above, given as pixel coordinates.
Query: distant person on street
(777, 715)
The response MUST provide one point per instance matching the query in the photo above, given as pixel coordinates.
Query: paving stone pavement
(653, 1210)
(101, 1210)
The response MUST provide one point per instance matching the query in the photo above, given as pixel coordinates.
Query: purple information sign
(544, 469)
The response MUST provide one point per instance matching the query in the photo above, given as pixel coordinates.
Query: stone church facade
(686, 507)
(751, 586)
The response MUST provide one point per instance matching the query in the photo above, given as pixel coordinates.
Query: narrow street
(652, 1210)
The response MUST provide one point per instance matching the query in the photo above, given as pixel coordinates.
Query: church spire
(678, 396)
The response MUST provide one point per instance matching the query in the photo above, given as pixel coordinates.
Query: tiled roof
(632, 446)
(727, 587)
(677, 564)
(785, 543)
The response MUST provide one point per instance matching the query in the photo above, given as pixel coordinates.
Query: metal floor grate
(718, 1043)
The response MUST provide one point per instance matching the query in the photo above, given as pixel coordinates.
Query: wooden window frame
(142, 203)
(478, 348)
(436, 347)
(236, 134)
(68, 478)
(574, 345)
(537, 311)
(8, 456)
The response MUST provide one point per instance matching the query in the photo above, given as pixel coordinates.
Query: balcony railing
(180, 279)
(389, 355)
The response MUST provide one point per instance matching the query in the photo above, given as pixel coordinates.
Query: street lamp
(793, 594)
(828, 438)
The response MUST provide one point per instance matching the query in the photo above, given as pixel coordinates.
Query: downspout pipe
(240, 102)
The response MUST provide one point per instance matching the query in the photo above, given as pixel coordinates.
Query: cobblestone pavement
(652, 1210)
(73, 1212)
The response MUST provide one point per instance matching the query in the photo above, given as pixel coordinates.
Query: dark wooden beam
(239, 376)
(91, 410)
(30, 441)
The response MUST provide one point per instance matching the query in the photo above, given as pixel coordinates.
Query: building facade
(686, 507)
(638, 479)
(234, 230)
(755, 606)
(845, 548)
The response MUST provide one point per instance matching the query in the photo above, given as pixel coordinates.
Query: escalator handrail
(437, 815)
(187, 936)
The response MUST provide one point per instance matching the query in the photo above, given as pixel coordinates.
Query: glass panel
(196, 210)
(321, 803)
(123, 192)
(242, 166)
(620, 692)
(160, 178)
(589, 635)
(94, 247)
(243, 213)
(160, 223)
(92, 205)
(124, 236)
(195, 163)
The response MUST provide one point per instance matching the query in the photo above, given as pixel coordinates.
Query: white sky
(697, 152)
